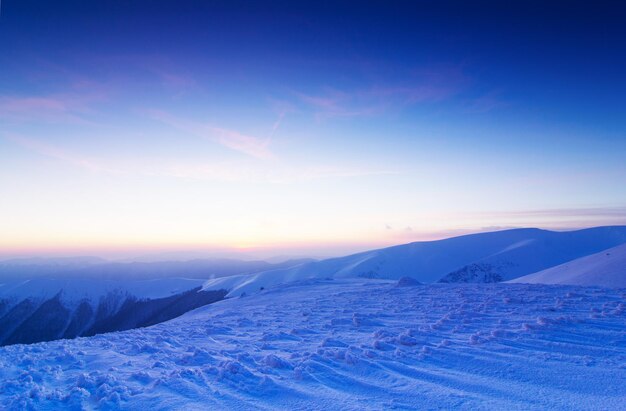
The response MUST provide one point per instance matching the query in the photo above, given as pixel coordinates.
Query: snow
(349, 344)
(484, 257)
(605, 269)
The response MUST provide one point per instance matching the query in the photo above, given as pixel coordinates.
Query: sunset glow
(120, 138)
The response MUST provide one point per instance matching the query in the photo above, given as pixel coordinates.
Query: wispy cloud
(154, 68)
(336, 103)
(224, 171)
(281, 108)
(69, 107)
(486, 103)
(237, 172)
(40, 109)
(232, 139)
(421, 87)
(60, 154)
(598, 212)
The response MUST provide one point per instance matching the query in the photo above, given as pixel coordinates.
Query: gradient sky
(320, 128)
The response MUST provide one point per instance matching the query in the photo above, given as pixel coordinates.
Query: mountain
(484, 257)
(604, 269)
(44, 309)
(52, 261)
(354, 344)
(47, 299)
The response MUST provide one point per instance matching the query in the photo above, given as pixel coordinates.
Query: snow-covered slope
(346, 344)
(45, 299)
(43, 309)
(604, 269)
(485, 257)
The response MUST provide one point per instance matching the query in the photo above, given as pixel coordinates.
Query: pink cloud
(232, 139)
(340, 104)
(419, 87)
(58, 153)
(412, 94)
(46, 109)
(257, 173)
(238, 171)
(70, 107)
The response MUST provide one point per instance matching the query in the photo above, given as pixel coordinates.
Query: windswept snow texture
(604, 269)
(346, 344)
(485, 257)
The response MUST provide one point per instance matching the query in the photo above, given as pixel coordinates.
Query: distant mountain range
(46, 299)
(43, 299)
(26, 268)
(484, 257)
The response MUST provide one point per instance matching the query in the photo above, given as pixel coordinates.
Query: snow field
(346, 344)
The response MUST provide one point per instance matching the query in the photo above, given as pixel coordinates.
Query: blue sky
(324, 127)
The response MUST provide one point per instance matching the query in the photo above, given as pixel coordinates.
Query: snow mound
(604, 269)
(407, 282)
(475, 273)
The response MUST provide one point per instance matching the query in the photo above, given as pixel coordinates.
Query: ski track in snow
(346, 344)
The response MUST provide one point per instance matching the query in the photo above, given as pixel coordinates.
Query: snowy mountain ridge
(42, 299)
(43, 309)
(499, 255)
(99, 297)
(73, 290)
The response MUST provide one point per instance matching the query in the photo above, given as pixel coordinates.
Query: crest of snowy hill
(604, 269)
(485, 257)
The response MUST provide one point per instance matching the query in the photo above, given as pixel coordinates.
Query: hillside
(44, 309)
(484, 257)
(349, 344)
(604, 269)
(46, 299)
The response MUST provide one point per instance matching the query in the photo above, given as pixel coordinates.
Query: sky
(319, 128)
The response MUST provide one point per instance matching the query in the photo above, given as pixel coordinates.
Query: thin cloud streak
(40, 109)
(429, 87)
(60, 154)
(258, 174)
(339, 104)
(232, 139)
(234, 172)
(617, 211)
(282, 108)
(72, 107)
